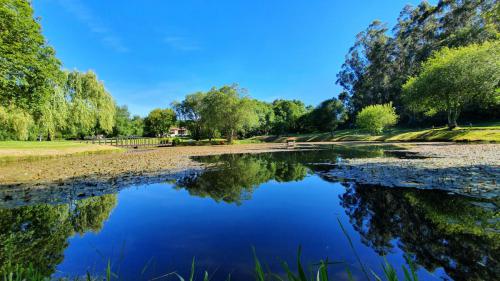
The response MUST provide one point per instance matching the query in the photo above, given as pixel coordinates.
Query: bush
(377, 118)
(176, 141)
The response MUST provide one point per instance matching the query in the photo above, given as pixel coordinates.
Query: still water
(274, 202)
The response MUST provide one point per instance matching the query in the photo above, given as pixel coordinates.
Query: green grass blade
(108, 271)
(302, 274)
(258, 267)
(289, 273)
(191, 276)
(354, 250)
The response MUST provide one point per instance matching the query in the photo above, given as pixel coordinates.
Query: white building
(178, 132)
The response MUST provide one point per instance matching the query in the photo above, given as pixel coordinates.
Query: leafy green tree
(287, 114)
(454, 78)
(91, 107)
(159, 121)
(379, 63)
(228, 111)
(123, 122)
(137, 125)
(376, 118)
(189, 111)
(15, 123)
(327, 116)
(29, 71)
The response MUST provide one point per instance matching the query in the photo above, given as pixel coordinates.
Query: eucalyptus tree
(453, 78)
(379, 63)
(365, 74)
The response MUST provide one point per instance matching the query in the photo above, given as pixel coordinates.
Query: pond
(274, 202)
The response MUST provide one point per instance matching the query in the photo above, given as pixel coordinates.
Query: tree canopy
(381, 61)
(159, 121)
(455, 77)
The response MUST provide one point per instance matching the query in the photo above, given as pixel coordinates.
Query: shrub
(377, 118)
(176, 141)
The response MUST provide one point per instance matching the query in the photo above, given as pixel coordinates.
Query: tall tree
(453, 78)
(91, 107)
(159, 121)
(124, 124)
(327, 116)
(379, 64)
(29, 70)
(228, 110)
(287, 114)
(189, 111)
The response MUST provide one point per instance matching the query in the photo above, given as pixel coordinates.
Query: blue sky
(151, 52)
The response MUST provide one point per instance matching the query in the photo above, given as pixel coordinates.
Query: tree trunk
(230, 136)
(452, 118)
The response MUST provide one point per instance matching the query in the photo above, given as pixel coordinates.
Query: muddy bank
(103, 167)
(465, 169)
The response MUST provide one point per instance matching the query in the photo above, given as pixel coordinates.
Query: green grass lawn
(487, 132)
(20, 150)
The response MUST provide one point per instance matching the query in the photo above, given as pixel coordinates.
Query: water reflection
(436, 230)
(433, 228)
(235, 176)
(37, 235)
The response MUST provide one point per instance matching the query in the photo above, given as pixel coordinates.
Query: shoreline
(467, 169)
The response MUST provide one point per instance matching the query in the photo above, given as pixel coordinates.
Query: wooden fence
(134, 142)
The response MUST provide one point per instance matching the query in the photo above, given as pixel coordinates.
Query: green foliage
(159, 121)
(176, 141)
(287, 115)
(228, 111)
(28, 67)
(454, 78)
(91, 107)
(125, 125)
(379, 63)
(189, 111)
(45, 102)
(327, 116)
(377, 118)
(15, 123)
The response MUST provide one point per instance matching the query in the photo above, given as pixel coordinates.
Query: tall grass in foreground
(17, 273)
(320, 274)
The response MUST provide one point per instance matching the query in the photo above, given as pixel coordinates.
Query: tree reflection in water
(37, 235)
(433, 228)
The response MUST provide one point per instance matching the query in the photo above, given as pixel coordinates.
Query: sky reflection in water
(274, 202)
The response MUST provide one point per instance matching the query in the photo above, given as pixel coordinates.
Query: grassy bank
(27, 150)
(484, 133)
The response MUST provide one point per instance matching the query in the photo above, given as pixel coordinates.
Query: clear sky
(151, 52)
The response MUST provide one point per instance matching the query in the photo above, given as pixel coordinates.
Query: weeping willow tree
(37, 99)
(91, 108)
